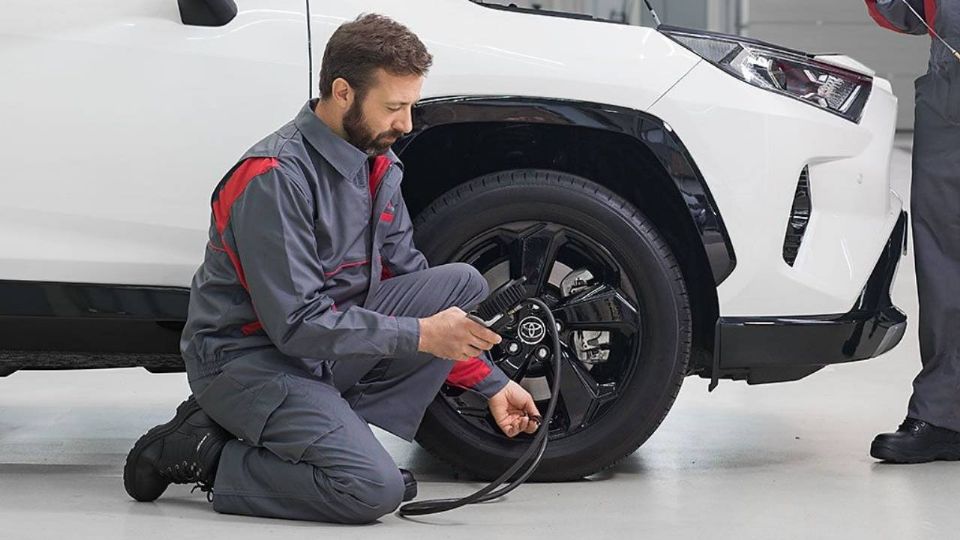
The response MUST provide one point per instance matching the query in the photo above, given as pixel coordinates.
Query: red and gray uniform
(303, 327)
(935, 206)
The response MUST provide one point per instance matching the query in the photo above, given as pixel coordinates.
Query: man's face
(384, 114)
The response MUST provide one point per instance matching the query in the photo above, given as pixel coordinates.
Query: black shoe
(185, 450)
(409, 485)
(916, 441)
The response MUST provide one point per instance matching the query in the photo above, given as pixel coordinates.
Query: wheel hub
(532, 330)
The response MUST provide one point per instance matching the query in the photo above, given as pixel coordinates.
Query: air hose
(495, 312)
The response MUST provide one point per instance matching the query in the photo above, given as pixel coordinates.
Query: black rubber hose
(538, 446)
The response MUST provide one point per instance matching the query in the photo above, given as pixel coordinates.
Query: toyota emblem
(532, 330)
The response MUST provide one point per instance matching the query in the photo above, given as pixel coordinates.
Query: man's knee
(472, 287)
(370, 496)
(358, 488)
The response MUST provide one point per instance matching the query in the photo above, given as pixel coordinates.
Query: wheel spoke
(516, 366)
(532, 253)
(581, 395)
(600, 308)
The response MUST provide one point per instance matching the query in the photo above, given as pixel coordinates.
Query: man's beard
(359, 135)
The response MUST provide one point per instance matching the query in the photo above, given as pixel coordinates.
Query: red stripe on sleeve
(233, 188)
(229, 193)
(468, 373)
(930, 13)
(877, 16)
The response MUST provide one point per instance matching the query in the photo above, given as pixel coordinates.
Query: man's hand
(513, 409)
(451, 334)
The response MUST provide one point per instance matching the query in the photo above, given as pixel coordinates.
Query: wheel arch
(632, 153)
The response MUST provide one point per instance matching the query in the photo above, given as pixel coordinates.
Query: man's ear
(343, 94)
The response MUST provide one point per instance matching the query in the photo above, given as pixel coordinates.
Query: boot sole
(183, 412)
(937, 453)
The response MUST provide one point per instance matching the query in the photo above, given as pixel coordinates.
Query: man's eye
(394, 109)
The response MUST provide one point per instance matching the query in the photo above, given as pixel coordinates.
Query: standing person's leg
(936, 233)
(302, 453)
(394, 393)
(932, 428)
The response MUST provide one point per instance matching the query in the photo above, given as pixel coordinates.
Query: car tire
(518, 212)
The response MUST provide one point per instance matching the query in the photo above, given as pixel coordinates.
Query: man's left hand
(514, 410)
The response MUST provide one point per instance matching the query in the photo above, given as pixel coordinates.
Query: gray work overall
(303, 328)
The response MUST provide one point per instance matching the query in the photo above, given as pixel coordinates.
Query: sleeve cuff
(408, 336)
(492, 383)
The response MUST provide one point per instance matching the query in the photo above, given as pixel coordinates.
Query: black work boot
(409, 485)
(185, 450)
(916, 441)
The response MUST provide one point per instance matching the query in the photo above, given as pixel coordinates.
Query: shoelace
(183, 472)
(912, 425)
(205, 489)
(186, 473)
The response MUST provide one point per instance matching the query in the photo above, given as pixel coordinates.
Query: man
(932, 428)
(313, 313)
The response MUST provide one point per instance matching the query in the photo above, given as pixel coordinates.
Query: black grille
(799, 217)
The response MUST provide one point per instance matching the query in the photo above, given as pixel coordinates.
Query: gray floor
(775, 462)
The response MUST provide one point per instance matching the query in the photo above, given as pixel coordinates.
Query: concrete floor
(775, 462)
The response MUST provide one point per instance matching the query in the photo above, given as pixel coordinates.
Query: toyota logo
(532, 330)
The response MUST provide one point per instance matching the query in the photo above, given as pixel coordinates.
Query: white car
(688, 203)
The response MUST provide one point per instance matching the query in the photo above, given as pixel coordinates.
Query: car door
(117, 119)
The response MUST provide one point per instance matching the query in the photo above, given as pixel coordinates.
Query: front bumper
(752, 147)
(777, 349)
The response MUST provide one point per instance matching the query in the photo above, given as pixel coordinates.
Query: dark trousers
(304, 448)
(935, 209)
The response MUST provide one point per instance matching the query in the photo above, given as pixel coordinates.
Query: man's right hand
(451, 334)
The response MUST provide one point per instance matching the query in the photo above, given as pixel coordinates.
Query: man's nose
(405, 123)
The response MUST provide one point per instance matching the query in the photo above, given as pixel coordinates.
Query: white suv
(687, 202)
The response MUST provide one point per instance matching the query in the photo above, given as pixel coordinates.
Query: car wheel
(617, 293)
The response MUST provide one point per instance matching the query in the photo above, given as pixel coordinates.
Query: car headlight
(791, 73)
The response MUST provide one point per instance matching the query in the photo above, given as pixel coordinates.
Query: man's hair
(372, 41)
